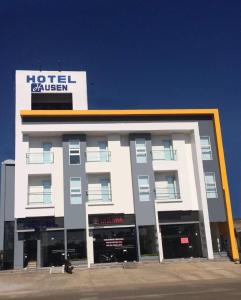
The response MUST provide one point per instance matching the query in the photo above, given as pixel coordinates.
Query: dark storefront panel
(76, 245)
(114, 245)
(181, 216)
(40, 224)
(52, 248)
(8, 254)
(181, 241)
(148, 241)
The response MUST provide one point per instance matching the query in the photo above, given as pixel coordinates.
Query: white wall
(23, 101)
(120, 177)
(55, 171)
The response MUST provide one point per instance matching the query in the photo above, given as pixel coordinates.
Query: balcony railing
(164, 154)
(99, 195)
(98, 156)
(39, 198)
(166, 194)
(40, 158)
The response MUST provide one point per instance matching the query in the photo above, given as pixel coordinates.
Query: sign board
(30, 82)
(111, 220)
(184, 240)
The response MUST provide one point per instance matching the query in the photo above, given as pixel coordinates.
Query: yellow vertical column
(224, 178)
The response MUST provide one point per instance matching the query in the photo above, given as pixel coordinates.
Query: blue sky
(137, 54)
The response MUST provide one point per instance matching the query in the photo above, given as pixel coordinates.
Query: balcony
(98, 156)
(40, 158)
(39, 198)
(99, 195)
(164, 154)
(165, 194)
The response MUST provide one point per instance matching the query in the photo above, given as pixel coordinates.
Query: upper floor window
(211, 187)
(141, 155)
(74, 152)
(206, 148)
(144, 188)
(75, 190)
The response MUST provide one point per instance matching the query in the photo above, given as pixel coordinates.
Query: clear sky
(137, 54)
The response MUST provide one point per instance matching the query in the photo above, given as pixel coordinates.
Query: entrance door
(30, 251)
(181, 241)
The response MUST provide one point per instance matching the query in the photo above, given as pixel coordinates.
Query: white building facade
(111, 186)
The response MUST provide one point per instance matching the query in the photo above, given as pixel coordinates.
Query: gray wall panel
(74, 214)
(7, 197)
(145, 211)
(216, 207)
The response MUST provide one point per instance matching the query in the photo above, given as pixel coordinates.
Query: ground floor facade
(109, 238)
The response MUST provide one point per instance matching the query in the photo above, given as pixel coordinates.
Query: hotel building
(104, 186)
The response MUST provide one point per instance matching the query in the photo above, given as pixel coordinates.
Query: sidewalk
(116, 278)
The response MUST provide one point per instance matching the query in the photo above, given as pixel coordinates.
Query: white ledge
(169, 201)
(99, 203)
(39, 206)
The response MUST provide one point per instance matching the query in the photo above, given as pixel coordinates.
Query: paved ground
(179, 280)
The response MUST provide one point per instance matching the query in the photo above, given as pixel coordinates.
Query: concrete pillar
(39, 262)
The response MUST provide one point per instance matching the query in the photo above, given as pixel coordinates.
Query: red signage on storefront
(184, 240)
(108, 220)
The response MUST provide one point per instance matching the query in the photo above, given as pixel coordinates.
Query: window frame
(144, 148)
(209, 145)
(75, 193)
(215, 185)
(78, 149)
(147, 187)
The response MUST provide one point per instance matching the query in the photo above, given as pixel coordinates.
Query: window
(206, 148)
(144, 188)
(75, 190)
(50, 101)
(74, 152)
(211, 188)
(76, 245)
(141, 156)
(148, 241)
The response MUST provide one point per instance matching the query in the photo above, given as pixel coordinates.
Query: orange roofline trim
(129, 112)
(214, 113)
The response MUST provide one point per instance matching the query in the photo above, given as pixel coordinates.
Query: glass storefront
(76, 246)
(181, 240)
(148, 241)
(114, 245)
(52, 248)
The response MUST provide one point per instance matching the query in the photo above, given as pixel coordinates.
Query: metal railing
(98, 156)
(99, 195)
(39, 198)
(40, 158)
(164, 154)
(166, 194)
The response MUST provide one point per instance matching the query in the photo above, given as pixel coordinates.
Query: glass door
(168, 153)
(47, 153)
(46, 191)
(103, 151)
(105, 189)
